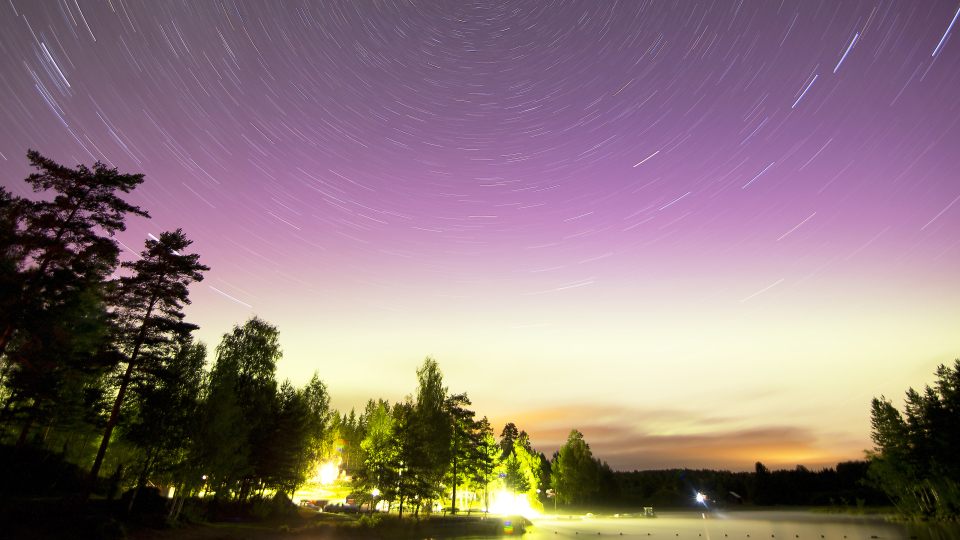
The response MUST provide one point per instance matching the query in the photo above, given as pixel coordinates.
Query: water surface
(742, 525)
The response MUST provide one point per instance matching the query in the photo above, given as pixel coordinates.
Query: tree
(149, 318)
(55, 256)
(410, 456)
(434, 432)
(761, 484)
(380, 466)
(482, 466)
(315, 429)
(221, 450)
(53, 364)
(508, 435)
(463, 440)
(521, 466)
(915, 460)
(163, 414)
(575, 473)
(59, 244)
(244, 372)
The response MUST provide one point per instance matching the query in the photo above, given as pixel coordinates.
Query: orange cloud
(662, 439)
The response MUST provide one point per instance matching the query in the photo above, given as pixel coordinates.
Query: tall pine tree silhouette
(149, 318)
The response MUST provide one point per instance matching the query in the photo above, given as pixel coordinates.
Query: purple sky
(703, 233)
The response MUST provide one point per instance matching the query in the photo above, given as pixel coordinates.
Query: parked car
(306, 503)
(340, 508)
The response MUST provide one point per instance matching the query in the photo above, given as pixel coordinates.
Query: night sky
(702, 233)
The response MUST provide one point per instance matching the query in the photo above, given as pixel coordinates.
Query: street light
(373, 504)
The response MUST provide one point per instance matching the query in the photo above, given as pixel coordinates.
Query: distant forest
(104, 391)
(842, 485)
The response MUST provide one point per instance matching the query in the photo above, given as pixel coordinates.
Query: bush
(261, 509)
(32, 472)
(193, 511)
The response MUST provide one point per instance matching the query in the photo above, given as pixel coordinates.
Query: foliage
(482, 466)
(379, 469)
(163, 413)
(915, 460)
(59, 245)
(464, 441)
(575, 474)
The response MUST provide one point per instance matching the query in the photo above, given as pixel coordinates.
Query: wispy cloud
(655, 439)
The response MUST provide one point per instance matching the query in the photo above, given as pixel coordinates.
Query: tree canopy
(915, 458)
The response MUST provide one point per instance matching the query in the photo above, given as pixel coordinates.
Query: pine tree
(58, 244)
(915, 460)
(149, 318)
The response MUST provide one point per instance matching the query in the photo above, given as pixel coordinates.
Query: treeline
(842, 485)
(430, 450)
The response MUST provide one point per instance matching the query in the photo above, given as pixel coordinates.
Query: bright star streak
(228, 296)
(675, 200)
(648, 157)
(844, 54)
(757, 176)
(805, 91)
(947, 32)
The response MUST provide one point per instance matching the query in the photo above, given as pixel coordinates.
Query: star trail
(703, 233)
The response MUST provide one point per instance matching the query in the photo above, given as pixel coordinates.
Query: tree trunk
(27, 424)
(66, 445)
(453, 499)
(108, 432)
(46, 431)
(142, 481)
(115, 412)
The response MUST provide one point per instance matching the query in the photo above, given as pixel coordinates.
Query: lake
(742, 525)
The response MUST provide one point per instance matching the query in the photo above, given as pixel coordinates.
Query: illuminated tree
(508, 435)
(464, 440)
(316, 426)
(521, 465)
(380, 466)
(483, 463)
(433, 428)
(411, 463)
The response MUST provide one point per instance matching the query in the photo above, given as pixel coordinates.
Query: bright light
(700, 498)
(375, 492)
(327, 473)
(505, 502)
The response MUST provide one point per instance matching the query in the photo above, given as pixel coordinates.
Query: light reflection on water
(744, 525)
